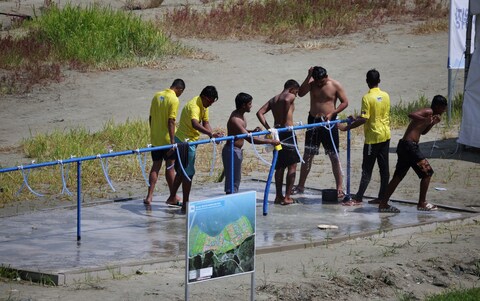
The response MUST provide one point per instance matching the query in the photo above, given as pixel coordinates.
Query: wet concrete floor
(120, 234)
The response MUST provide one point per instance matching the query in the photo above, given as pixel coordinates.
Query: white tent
(470, 131)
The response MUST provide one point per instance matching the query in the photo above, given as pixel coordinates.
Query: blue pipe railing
(149, 149)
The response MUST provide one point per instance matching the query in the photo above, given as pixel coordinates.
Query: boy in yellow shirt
(163, 113)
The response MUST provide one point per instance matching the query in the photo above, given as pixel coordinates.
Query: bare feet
(288, 201)
(352, 202)
(283, 201)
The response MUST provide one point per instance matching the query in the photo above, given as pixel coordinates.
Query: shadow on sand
(448, 149)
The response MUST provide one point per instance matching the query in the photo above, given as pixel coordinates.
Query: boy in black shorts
(409, 154)
(282, 107)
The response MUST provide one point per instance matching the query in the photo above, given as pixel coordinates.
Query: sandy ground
(398, 264)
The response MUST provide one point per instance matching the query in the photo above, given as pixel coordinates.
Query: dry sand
(398, 264)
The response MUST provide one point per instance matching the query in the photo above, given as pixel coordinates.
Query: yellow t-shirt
(194, 109)
(164, 106)
(376, 109)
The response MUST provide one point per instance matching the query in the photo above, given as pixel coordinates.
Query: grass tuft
(471, 294)
(100, 36)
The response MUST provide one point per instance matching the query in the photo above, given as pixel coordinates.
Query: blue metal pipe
(79, 200)
(269, 181)
(149, 149)
(232, 170)
(347, 196)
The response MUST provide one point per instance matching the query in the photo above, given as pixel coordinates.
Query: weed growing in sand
(46, 280)
(391, 250)
(304, 270)
(354, 253)
(116, 273)
(9, 273)
(476, 269)
(468, 178)
(290, 20)
(448, 175)
(264, 279)
(471, 294)
(453, 237)
(89, 282)
(332, 274)
(374, 239)
(358, 277)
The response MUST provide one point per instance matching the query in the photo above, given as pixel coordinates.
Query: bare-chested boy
(282, 107)
(324, 93)
(409, 154)
(237, 125)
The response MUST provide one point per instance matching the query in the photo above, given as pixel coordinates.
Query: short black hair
(291, 84)
(178, 83)
(210, 92)
(373, 78)
(319, 73)
(242, 99)
(439, 101)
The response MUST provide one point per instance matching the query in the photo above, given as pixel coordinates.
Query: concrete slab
(122, 236)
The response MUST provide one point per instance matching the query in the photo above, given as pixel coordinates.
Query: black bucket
(329, 196)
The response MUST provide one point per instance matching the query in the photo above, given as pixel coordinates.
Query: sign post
(221, 239)
(457, 40)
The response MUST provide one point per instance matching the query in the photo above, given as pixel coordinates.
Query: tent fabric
(474, 7)
(469, 130)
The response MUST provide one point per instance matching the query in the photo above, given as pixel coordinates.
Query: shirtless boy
(409, 154)
(324, 93)
(237, 125)
(282, 107)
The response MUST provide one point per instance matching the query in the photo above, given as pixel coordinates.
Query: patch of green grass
(78, 142)
(101, 36)
(399, 112)
(8, 273)
(472, 294)
(91, 37)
